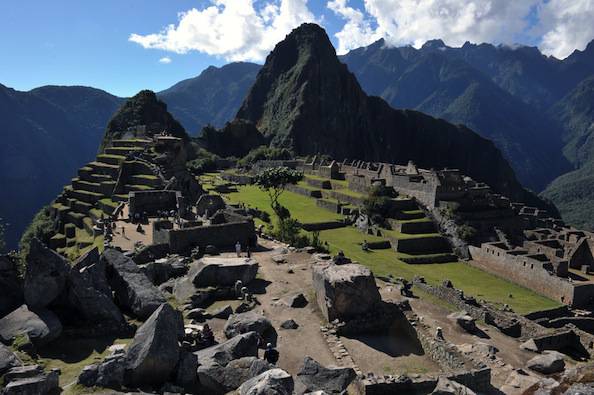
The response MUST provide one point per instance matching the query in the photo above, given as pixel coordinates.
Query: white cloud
(356, 32)
(165, 60)
(233, 29)
(566, 25)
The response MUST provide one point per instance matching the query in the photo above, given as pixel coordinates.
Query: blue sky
(126, 45)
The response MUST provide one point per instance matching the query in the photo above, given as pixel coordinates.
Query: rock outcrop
(314, 377)
(45, 275)
(132, 289)
(41, 326)
(154, 352)
(272, 382)
(89, 291)
(31, 380)
(247, 322)
(214, 271)
(8, 359)
(344, 291)
(547, 363)
(449, 387)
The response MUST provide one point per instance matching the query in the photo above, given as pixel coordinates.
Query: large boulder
(247, 322)
(219, 379)
(344, 291)
(315, 377)
(46, 273)
(217, 271)
(215, 371)
(272, 382)
(547, 363)
(8, 359)
(164, 269)
(464, 321)
(154, 351)
(11, 296)
(31, 380)
(41, 326)
(580, 389)
(89, 291)
(131, 287)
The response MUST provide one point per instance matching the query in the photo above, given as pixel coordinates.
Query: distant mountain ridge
(212, 98)
(46, 134)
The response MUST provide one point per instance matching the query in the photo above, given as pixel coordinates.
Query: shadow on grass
(73, 350)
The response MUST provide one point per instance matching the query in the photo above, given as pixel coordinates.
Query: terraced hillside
(96, 193)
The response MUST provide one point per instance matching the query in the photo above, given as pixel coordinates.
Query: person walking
(271, 354)
(238, 249)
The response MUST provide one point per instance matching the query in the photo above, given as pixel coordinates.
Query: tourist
(439, 333)
(271, 355)
(238, 287)
(238, 249)
(365, 246)
(244, 292)
(248, 252)
(207, 335)
(123, 231)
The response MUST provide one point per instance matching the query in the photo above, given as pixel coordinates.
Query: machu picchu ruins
(270, 256)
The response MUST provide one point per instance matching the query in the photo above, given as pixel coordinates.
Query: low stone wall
(424, 260)
(304, 191)
(241, 179)
(322, 184)
(422, 245)
(583, 323)
(343, 197)
(152, 202)
(329, 205)
(416, 227)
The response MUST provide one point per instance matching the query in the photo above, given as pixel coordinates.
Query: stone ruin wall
(537, 279)
(424, 192)
(221, 235)
(154, 201)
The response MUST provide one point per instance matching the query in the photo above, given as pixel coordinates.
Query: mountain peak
(146, 110)
(434, 44)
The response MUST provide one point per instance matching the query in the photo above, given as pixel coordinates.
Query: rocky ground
(150, 317)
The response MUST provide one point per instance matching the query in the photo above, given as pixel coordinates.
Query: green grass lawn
(302, 208)
(383, 262)
(472, 281)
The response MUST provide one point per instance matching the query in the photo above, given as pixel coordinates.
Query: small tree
(274, 182)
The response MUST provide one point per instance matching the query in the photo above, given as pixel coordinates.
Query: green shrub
(41, 227)
(264, 152)
(466, 232)
(378, 205)
(203, 162)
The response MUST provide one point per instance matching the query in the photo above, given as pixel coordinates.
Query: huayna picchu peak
(306, 100)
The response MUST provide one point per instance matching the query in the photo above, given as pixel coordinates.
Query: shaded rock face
(297, 301)
(211, 271)
(8, 359)
(89, 291)
(344, 291)
(154, 351)
(222, 379)
(217, 141)
(31, 380)
(547, 363)
(45, 275)
(315, 377)
(247, 322)
(213, 360)
(185, 373)
(11, 296)
(132, 288)
(449, 387)
(305, 99)
(41, 326)
(272, 382)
